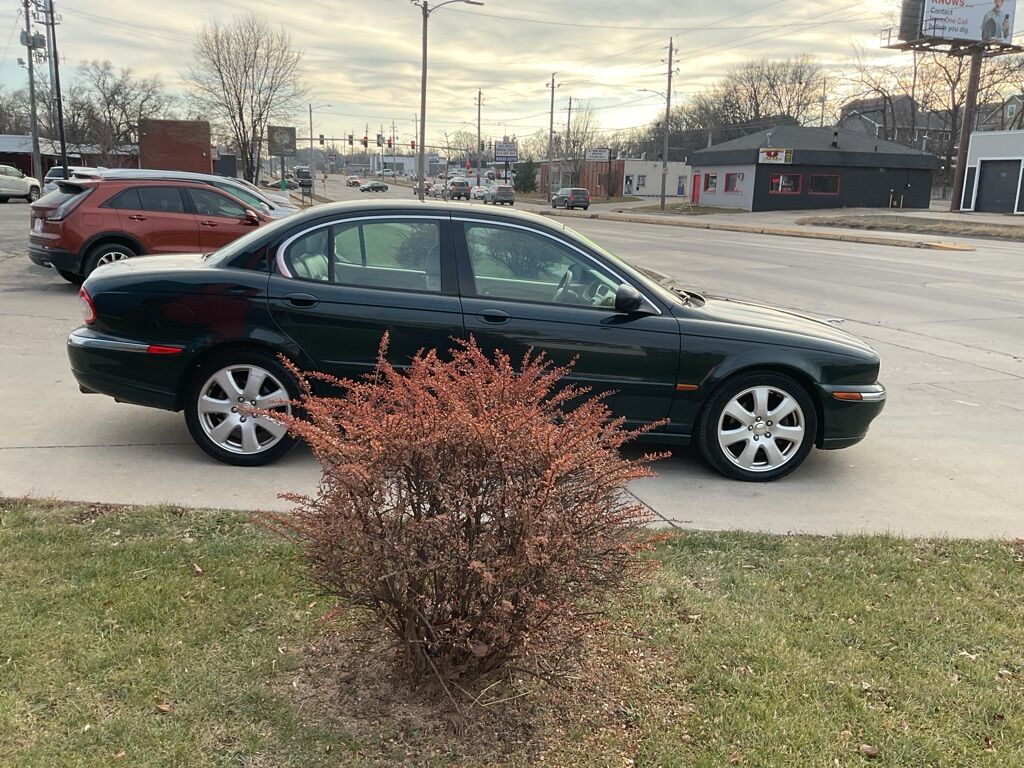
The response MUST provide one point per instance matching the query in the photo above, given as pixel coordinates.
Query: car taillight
(88, 308)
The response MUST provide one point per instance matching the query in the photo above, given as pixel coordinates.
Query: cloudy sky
(363, 56)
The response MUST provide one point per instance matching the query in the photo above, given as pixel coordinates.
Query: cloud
(363, 56)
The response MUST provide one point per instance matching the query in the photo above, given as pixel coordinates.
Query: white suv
(14, 183)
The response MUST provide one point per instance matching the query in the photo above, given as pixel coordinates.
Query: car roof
(153, 173)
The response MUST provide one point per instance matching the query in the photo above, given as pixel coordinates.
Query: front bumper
(847, 412)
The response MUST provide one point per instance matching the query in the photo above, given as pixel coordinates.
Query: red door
(221, 217)
(695, 197)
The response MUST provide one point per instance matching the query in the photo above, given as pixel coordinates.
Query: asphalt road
(944, 458)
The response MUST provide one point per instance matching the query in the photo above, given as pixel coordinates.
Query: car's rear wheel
(228, 383)
(757, 427)
(71, 277)
(107, 253)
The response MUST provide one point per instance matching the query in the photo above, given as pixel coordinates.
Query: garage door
(998, 182)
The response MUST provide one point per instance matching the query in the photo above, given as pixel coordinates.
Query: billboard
(772, 156)
(281, 141)
(977, 21)
(506, 152)
(601, 155)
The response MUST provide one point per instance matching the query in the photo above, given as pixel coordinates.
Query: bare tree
(246, 74)
(581, 135)
(14, 111)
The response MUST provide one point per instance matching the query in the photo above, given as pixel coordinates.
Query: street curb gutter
(779, 231)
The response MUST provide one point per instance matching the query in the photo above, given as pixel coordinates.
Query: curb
(778, 231)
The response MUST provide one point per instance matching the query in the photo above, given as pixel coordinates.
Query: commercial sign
(770, 156)
(506, 152)
(979, 21)
(600, 155)
(281, 141)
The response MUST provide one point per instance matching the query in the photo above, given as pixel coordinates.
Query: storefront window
(823, 185)
(784, 184)
(711, 182)
(732, 182)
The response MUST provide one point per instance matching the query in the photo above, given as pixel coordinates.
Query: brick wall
(175, 145)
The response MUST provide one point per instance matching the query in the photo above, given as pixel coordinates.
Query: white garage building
(995, 172)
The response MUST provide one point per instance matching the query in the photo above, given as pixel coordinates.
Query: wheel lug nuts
(769, 423)
(234, 410)
(767, 434)
(241, 399)
(253, 403)
(755, 438)
(750, 428)
(243, 419)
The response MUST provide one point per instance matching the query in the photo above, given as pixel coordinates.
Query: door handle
(495, 316)
(208, 223)
(304, 300)
(135, 217)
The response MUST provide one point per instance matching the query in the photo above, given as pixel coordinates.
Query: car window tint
(161, 199)
(209, 203)
(517, 264)
(402, 255)
(126, 200)
(308, 257)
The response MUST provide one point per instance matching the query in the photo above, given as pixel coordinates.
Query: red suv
(85, 223)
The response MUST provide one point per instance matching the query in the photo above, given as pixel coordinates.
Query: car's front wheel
(757, 427)
(216, 400)
(33, 195)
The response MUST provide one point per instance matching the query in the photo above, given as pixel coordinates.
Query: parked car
(56, 173)
(87, 223)
(754, 387)
(374, 186)
(571, 197)
(289, 183)
(500, 193)
(273, 205)
(458, 188)
(14, 183)
(478, 192)
(353, 181)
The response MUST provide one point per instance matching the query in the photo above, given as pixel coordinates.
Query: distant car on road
(478, 192)
(500, 194)
(353, 181)
(570, 198)
(14, 183)
(387, 173)
(304, 176)
(374, 186)
(458, 188)
(87, 223)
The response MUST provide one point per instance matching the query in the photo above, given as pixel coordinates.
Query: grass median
(165, 636)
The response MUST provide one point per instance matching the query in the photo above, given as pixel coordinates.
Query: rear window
(504, 188)
(57, 197)
(579, 191)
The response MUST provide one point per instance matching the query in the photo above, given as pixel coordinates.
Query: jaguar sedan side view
(755, 387)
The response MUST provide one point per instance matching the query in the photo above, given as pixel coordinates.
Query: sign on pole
(600, 155)
(506, 152)
(981, 21)
(281, 140)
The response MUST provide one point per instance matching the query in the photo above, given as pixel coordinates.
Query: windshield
(242, 194)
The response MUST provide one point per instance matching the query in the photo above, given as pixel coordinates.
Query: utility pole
(824, 82)
(479, 102)
(37, 169)
(668, 113)
(422, 157)
(970, 104)
(551, 128)
(52, 22)
(568, 141)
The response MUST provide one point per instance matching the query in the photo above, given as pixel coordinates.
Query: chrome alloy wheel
(111, 256)
(761, 429)
(222, 400)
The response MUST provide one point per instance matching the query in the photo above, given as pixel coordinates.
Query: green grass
(766, 650)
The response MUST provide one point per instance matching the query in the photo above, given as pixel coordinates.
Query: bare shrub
(469, 508)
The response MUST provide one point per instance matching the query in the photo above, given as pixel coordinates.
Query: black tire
(3, 200)
(553, 204)
(33, 195)
(103, 251)
(71, 277)
(586, 207)
(193, 418)
(726, 460)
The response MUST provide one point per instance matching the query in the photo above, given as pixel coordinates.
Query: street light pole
(427, 9)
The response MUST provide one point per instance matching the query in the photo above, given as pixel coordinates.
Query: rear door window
(161, 199)
(125, 200)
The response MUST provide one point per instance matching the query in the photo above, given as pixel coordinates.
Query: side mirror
(265, 207)
(251, 217)
(628, 299)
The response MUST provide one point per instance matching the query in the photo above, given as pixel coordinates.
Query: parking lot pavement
(941, 459)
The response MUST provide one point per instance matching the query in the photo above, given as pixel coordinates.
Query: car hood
(728, 318)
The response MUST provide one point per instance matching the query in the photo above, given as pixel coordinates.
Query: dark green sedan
(757, 388)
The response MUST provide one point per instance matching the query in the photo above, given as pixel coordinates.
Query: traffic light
(321, 139)
(365, 142)
(350, 139)
(412, 144)
(389, 142)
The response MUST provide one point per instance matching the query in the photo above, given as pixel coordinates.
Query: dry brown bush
(477, 510)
